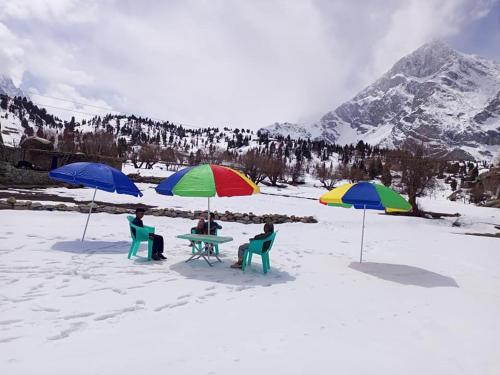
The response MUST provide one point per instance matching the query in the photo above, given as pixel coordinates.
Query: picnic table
(203, 245)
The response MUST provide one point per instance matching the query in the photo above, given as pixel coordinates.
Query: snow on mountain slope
(11, 128)
(295, 131)
(437, 96)
(19, 117)
(447, 100)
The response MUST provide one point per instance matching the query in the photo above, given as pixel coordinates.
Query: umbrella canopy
(207, 180)
(96, 176)
(365, 195)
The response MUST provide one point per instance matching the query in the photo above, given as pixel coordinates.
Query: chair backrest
(131, 226)
(264, 244)
(268, 242)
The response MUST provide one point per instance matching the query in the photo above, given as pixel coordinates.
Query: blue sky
(481, 37)
(221, 62)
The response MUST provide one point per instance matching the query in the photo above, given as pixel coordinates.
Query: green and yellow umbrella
(365, 195)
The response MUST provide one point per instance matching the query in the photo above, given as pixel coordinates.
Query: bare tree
(296, 172)
(150, 155)
(417, 174)
(491, 181)
(357, 173)
(477, 193)
(168, 156)
(252, 164)
(274, 169)
(386, 176)
(66, 142)
(214, 157)
(327, 175)
(98, 143)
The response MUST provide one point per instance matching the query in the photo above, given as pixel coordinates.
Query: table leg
(211, 251)
(201, 252)
(196, 255)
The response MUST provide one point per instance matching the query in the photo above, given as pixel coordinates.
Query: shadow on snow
(406, 275)
(222, 273)
(92, 247)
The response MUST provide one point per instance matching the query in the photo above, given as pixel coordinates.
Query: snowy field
(426, 301)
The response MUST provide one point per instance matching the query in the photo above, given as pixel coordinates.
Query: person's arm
(261, 236)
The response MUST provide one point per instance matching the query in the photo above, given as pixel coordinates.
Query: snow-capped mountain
(7, 87)
(295, 131)
(447, 100)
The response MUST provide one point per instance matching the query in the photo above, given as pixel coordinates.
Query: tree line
(264, 158)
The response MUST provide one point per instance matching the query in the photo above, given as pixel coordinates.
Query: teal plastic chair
(256, 247)
(141, 235)
(216, 246)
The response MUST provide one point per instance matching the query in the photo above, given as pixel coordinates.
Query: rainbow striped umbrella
(365, 195)
(207, 180)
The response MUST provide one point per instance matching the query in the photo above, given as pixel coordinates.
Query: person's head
(139, 212)
(268, 228)
(201, 222)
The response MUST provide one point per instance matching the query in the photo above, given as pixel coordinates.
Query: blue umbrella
(96, 176)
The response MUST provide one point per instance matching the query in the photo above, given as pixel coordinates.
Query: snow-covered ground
(426, 301)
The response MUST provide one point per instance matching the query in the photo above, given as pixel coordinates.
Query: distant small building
(36, 153)
(36, 143)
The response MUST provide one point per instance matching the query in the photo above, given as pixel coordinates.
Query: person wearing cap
(157, 240)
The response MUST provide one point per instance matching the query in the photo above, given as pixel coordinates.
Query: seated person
(268, 229)
(200, 226)
(213, 229)
(198, 229)
(213, 226)
(157, 240)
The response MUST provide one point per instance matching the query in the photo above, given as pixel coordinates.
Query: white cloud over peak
(244, 63)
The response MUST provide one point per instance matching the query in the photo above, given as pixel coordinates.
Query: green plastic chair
(141, 235)
(216, 246)
(256, 247)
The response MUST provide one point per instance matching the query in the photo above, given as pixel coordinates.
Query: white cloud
(237, 63)
(11, 54)
(417, 22)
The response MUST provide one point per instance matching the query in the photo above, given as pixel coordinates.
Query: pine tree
(386, 177)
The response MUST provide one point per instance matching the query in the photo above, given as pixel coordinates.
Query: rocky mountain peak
(7, 87)
(435, 96)
(426, 60)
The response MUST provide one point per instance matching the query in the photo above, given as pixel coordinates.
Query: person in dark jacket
(268, 230)
(213, 226)
(157, 240)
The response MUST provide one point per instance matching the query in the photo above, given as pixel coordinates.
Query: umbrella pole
(362, 235)
(208, 216)
(88, 217)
